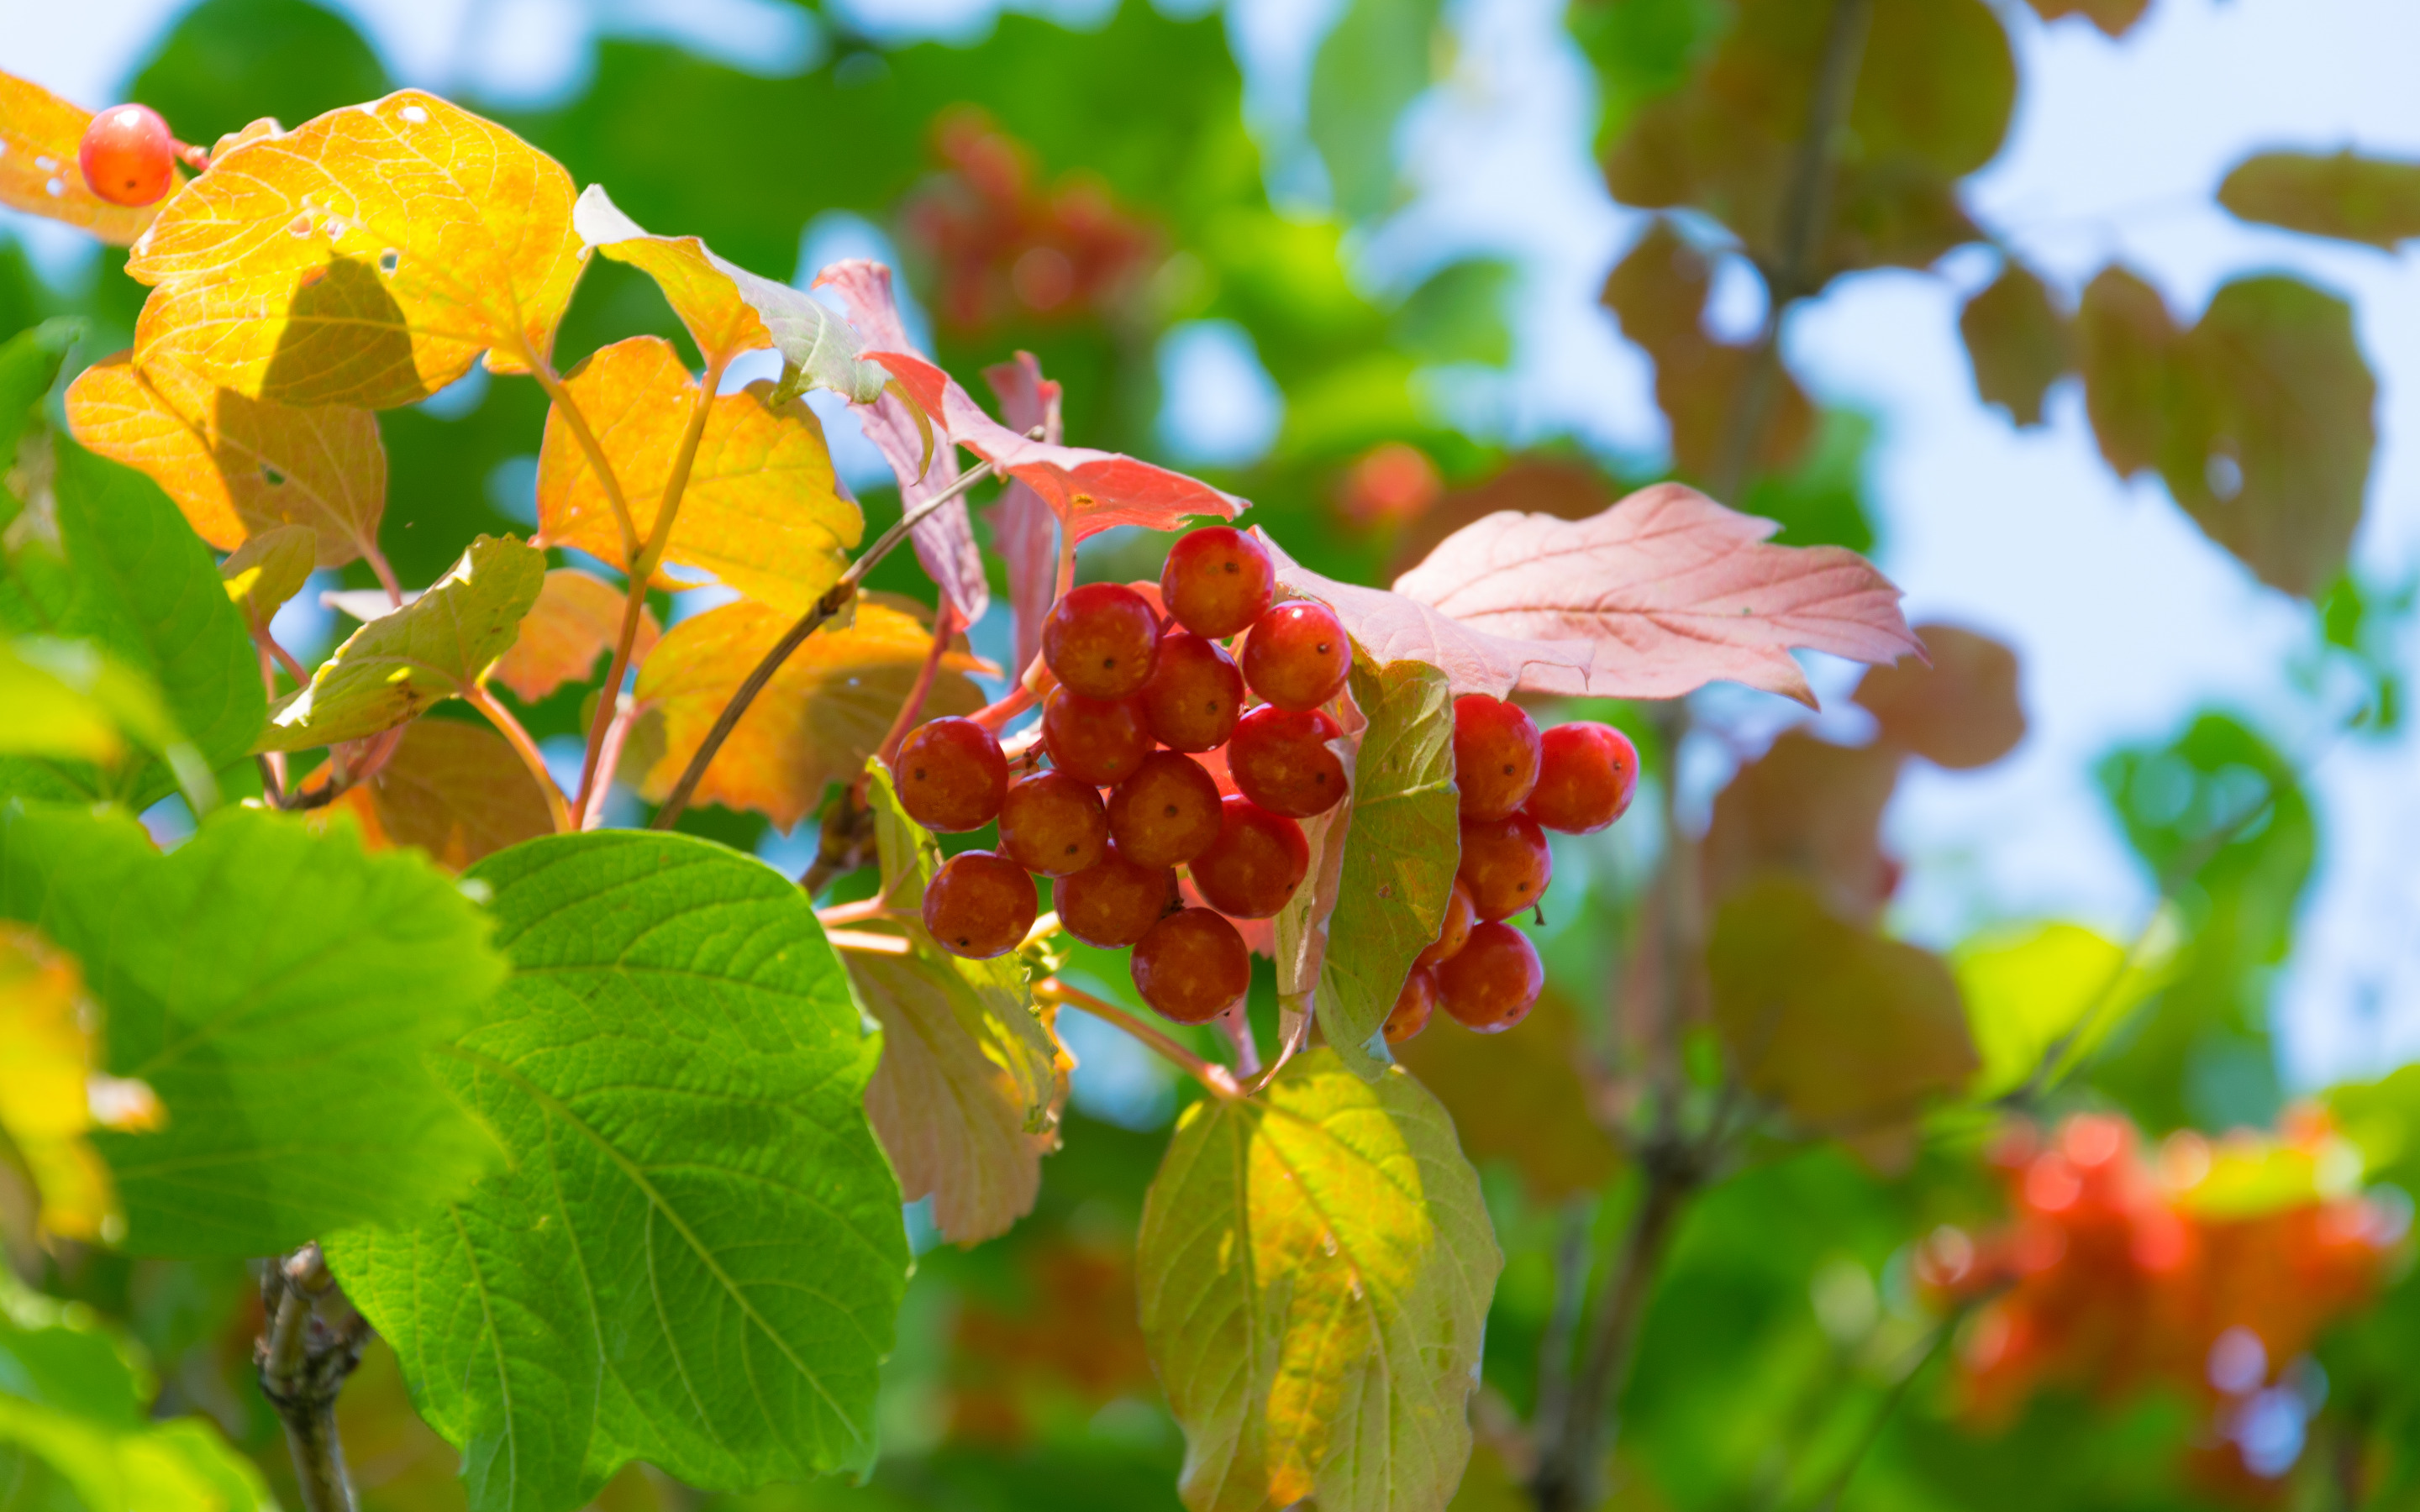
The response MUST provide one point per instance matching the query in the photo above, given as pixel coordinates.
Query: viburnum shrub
(588, 1121)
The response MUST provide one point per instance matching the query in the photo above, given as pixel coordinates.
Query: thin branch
(945, 624)
(526, 749)
(609, 760)
(314, 1341)
(1941, 1335)
(995, 716)
(1220, 1081)
(1563, 1320)
(865, 944)
(377, 558)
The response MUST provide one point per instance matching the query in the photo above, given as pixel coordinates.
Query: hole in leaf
(300, 225)
(414, 114)
(270, 475)
(2225, 475)
(57, 187)
(388, 260)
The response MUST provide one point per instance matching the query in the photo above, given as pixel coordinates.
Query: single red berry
(1115, 903)
(1100, 740)
(1297, 655)
(1191, 965)
(979, 905)
(952, 774)
(1099, 639)
(127, 156)
(1195, 694)
(1490, 983)
(1494, 755)
(1280, 760)
(1505, 864)
(1255, 864)
(1167, 813)
(1587, 773)
(1217, 581)
(1053, 824)
(1413, 1006)
(1460, 915)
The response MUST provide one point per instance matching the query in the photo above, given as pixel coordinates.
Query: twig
(945, 624)
(313, 1341)
(526, 749)
(1563, 1320)
(377, 558)
(1220, 1081)
(609, 760)
(1236, 1022)
(866, 944)
(995, 716)
(286, 659)
(1942, 1332)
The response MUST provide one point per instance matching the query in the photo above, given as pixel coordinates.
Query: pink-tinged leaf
(1670, 591)
(1023, 530)
(945, 540)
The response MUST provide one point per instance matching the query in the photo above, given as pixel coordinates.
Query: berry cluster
(1149, 709)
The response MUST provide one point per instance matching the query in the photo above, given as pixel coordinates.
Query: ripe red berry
(1100, 740)
(1460, 915)
(979, 905)
(1195, 694)
(1115, 903)
(1217, 580)
(1191, 965)
(1505, 864)
(1494, 755)
(1167, 813)
(1413, 1006)
(127, 156)
(1052, 824)
(1490, 983)
(1280, 760)
(1297, 655)
(952, 774)
(1256, 863)
(1587, 773)
(1099, 639)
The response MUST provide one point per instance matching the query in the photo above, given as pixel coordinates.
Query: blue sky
(2126, 618)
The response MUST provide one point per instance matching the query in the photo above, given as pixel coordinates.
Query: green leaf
(2342, 194)
(29, 365)
(695, 1253)
(1457, 315)
(1371, 66)
(1315, 1266)
(965, 1099)
(2028, 991)
(140, 585)
(2017, 341)
(277, 990)
(434, 648)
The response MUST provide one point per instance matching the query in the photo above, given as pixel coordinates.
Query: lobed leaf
(40, 135)
(694, 1254)
(393, 668)
(1957, 708)
(1024, 531)
(763, 510)
(1315, 1267)
(368, 256)
(267, 570)
(577, 619)
(277, 991)
(2343, 194)
(2017, 341)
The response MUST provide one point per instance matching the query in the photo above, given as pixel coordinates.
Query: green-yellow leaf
(2343, 194)
(267, 570)
(2017, 340)
(2054, 985)
(1315, 1266)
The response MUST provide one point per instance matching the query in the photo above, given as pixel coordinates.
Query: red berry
(1494, 755)
(1195, 694)
(1490, 983)
(1053, 824)
(1217, 581)
(1256, 863)
(979, 905)
(1297, 655)
(1587, 773)
(1505, 864)
(1099, 639)
(127, 156)
(1100, 740)
(1191, 965)
(1280, 760)
(1115, 903)
(952, 774)
(1167, 813)
(1413, 1006)
(1460, 915)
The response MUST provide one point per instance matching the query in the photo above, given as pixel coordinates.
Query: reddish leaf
(1535, 485)
(2017, 340)
(577, 619)
(1811, 810)
(2126, 345)
(1668, 590)
(1960, 711)
(39, 135)
(458, 791)
(2345, 195)
(2114, 17)
(1023, 530)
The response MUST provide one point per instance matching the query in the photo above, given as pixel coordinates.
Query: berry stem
(1220, 1081)
(609, 760)
(945, 624)
(865, 944)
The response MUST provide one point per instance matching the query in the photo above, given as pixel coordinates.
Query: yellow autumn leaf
(51, 1096)
(39, 133)
(698, 285)
(236, 466)
(763, 510)
(368, 256)
(577, 619)
(822, 715)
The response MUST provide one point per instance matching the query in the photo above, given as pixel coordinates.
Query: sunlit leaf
(267, 570)
(251, 950)
(51, 1092)
(433, 649)
(2114, 17)
(458, 791)
(1024, 531)
(368, 256)
(39, 135)
(1957, 708)
(2059, 986)
(71, 698)
(577, 618)
(2017, 340)
(1811, 810)
(824, 713)
(1845, 1030)
(1315, 1266)
(2344, 194)
(693, 1253)
(1521, 1098)
(238, 466)
(763, 510)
